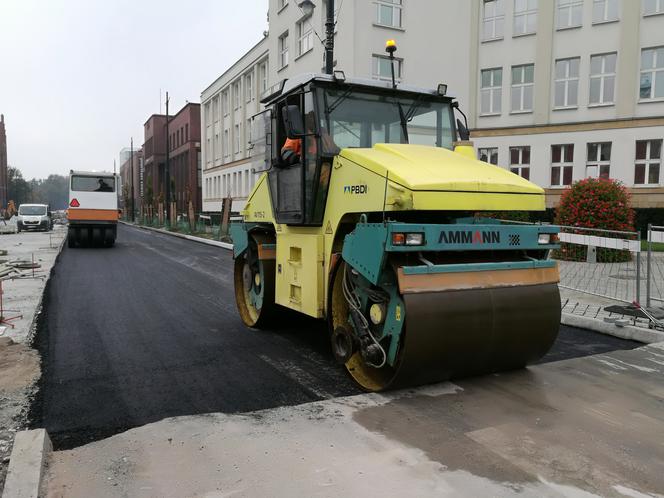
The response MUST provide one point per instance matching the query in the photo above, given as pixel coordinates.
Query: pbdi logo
(355, 189)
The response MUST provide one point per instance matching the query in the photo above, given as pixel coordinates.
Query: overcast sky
(78, 78)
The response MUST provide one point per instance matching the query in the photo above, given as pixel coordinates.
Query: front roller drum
(254, 288)
(459, 333)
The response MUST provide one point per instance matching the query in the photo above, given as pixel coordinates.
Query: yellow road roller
(369, 214)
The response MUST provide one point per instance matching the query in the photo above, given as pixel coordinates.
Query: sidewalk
(19, 363)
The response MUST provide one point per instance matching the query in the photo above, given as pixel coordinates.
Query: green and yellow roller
(369, 214)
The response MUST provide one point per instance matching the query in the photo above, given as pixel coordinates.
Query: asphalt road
(148, 329)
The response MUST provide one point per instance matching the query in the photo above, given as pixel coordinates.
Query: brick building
(137, 181)
(154, 153)
(184, 150)
(3, 164)
(185, 156)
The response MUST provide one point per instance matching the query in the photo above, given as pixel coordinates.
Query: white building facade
(569, 89)
(555, 90)
(293, 46)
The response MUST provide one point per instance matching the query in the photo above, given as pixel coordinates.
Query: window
(491, 91)
(283, 50)
(248, 87)
(570, 14)
(237, 138)
(226, 144)
(186, 132)
(80, 183)
(562, 164)
(262, 74)
(520, 161)
(248, 131)
(566, 83)
(225, 102)
(305, 36)
(388, 13)
(488, 155)
(652, 73)
(522, 87)
(605, 11)
(236, 95)
(648, 156)
(602, 78)
(493, 20)
(525, 17)
(599, 160)
(651, 7)
(382, 68)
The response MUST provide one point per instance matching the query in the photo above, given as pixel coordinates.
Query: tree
(18, 189)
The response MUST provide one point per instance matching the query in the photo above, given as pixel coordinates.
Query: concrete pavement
(577, 428)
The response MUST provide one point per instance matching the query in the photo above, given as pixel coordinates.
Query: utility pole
(131, 168)
(167, 171)
(329, 38)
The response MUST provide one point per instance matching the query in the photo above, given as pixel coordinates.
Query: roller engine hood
(426, 168)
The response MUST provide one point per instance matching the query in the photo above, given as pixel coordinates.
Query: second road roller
(372, 213)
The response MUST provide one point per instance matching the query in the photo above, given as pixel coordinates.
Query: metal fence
(202, 227)
(655, 266)
(604, 263)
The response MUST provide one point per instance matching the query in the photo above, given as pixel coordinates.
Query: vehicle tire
(254, 288)
(71, 238)
(97, 236)
(109, 237)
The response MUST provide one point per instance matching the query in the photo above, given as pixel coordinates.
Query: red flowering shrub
(595, 203)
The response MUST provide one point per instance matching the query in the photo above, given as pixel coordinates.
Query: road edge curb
(27, 464)
(646, 336)
(201, 240)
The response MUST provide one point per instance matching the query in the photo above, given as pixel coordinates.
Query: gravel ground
(19, 363)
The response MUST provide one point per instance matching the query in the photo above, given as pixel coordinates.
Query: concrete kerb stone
(640, 334)
(27, 463)
(202, 240)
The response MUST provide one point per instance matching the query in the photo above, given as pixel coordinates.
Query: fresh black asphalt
(148, 329)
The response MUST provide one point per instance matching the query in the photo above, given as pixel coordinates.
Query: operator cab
(323, 114)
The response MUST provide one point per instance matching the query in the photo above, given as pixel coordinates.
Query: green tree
(18, 189)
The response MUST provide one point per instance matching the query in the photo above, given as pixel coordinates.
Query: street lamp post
(131, 169)
(307, 7)
(329, 38)
(167, 170)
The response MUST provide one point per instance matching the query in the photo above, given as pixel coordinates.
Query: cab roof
(288, 85)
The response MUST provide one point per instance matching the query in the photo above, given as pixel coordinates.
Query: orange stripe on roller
(93, 214)
(488, 279)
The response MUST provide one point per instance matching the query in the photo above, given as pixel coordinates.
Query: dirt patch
(19, 370)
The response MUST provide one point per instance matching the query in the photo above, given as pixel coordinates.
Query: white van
(33, 217)
(93, 208)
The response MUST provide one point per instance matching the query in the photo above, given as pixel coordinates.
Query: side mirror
(293, 121)
(464, 134)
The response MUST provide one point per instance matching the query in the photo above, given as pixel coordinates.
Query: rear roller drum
(254, 288)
